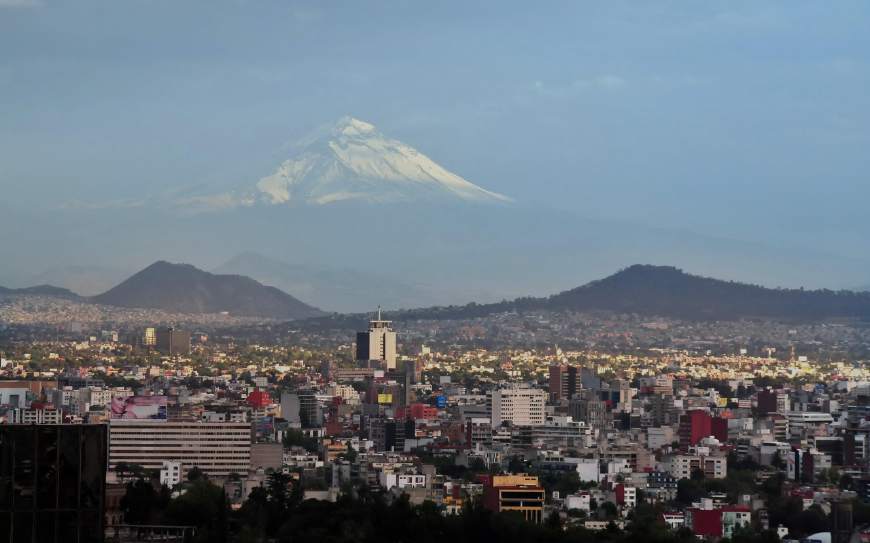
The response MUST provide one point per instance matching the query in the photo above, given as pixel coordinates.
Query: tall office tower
(519, 406)
(173, 342)
(290, 408)
(310, 412)
(588, 407)
(379, 343)
(149, 338)
(661, 410)
(54, 482)
(390, 434)
(624, 395)
(564, 382)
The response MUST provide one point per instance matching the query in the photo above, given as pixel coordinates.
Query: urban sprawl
(596, 426)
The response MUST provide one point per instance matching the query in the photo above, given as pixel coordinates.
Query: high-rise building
(589, 408)
(520, 406)
(290, 409)
(172, 341)
(564, 382)
(216, 448)
(310, 411)
(478, 431)
(719, 428)
(695, 425)
(378, 344)
(53, 480)
(390, 434)
(149, 338)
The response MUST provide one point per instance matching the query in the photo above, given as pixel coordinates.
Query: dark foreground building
(52, 483)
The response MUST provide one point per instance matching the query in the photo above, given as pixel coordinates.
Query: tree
(350, 454)
(689, 491)
(143, 503)
(554, 521)
(846, 482)
(195, 474)
(203, 505)
(516, 465)
(295, 438)
(608, 510)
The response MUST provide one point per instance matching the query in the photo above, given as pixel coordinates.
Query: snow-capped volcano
(354, 161)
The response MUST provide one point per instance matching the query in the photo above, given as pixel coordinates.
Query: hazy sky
(747, 120)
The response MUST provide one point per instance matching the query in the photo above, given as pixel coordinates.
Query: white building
(36, 416)
(588, 469)
(581, 501)
(656, 438)
(629, 496)
(388, 480)
(681, 466)
(13, 394)
(674, 520)
(520, 406)
(170, 473)
(562, 431)
(379, 343)
(805, 424)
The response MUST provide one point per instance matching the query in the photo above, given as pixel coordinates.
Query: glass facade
(52, 483)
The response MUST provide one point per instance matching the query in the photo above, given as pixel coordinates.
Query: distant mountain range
(663, 291)
(183, 288)
(666, 291)
(352, 205)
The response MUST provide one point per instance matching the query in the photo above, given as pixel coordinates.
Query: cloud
(603, 82)
(96, 205)
(20, 3)
(215, 202)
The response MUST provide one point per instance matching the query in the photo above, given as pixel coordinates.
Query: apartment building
(216, 448)
(520, 406)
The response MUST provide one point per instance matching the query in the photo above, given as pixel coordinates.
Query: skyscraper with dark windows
(52, 482)
(173, 342)
(564, 382)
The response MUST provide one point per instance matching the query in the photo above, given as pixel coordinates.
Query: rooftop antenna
(379, 312)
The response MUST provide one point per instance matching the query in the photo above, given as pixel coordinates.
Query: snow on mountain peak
(354, 161)
(348, 126)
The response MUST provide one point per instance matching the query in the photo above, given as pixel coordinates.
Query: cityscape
(403, 272)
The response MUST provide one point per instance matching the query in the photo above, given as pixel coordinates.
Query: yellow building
(521, 493)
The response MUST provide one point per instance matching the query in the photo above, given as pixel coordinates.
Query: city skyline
(399, 272)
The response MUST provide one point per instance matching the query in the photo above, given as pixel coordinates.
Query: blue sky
(745, 120)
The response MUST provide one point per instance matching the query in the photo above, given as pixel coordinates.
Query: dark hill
(42, 290)
(185, 289)
(669, 292)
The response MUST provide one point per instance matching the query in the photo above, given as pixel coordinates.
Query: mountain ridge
(667, 291)
(183, 288)
(42, 290)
